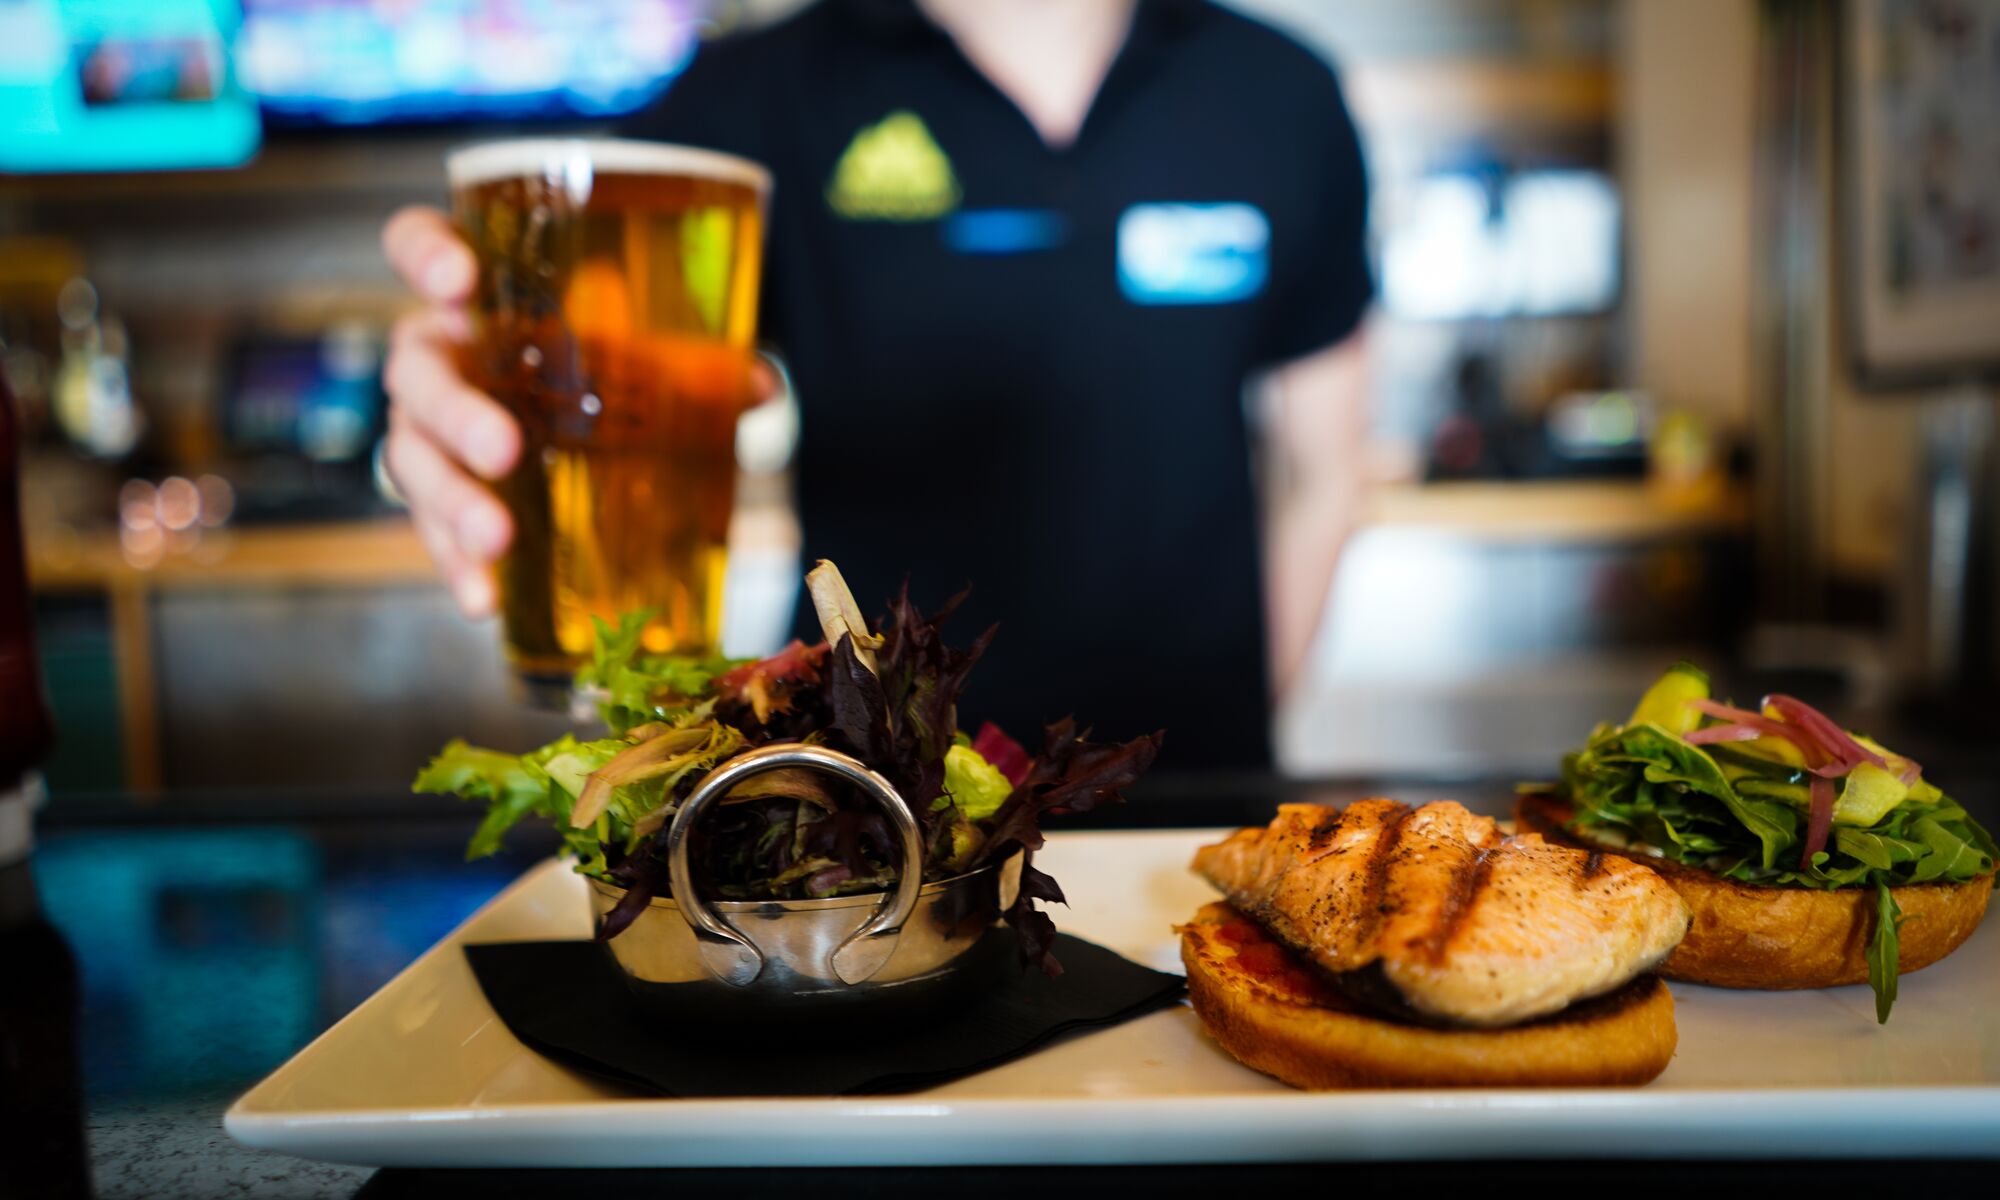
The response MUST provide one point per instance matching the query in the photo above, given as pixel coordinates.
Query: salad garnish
(1777, 796)
(889, 698)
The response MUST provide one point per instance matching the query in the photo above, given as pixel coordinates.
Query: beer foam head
(537, 158)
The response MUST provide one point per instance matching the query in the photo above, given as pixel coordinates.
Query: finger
(765, 383)
(424, 384)
(471, 585)
(427, 252)
(478, 525)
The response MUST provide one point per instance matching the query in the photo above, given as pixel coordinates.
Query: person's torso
(1021, 368)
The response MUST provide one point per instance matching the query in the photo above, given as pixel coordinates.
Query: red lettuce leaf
(1072, 774)
(900, 717)
(758, 697)
(1033, 930)
(1007, 755)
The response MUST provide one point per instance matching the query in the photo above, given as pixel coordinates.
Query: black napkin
(568, 1001)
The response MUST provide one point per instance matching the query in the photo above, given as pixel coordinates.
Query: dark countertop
(218, 934)
(212, 949)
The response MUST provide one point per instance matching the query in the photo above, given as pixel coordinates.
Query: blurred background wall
(1619, 415)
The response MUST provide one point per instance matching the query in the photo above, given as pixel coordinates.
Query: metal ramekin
(907, 947)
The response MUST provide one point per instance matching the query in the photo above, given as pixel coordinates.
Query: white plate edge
(1708, 1122)
(446, 944)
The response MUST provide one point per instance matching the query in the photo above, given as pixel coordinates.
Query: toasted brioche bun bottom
(1273, 1014)
(1785, 937)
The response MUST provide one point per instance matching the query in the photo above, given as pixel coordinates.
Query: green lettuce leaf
(569, 762)
(976, 786)
(633, 687)
(509, 785)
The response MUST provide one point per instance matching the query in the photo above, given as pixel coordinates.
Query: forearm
(1308, 531)
(1318, 441)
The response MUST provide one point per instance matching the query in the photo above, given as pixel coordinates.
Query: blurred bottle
(337, 416)
(1685, 464)
(41, 1081)
(93, 386)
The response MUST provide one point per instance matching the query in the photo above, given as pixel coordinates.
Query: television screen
(352, 62)
(93, 85)
(1534, 243)
(106, 85)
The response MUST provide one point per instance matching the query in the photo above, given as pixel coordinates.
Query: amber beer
(615, 317)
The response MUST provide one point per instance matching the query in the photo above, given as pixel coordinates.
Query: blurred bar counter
(1477, 627)
(1561, 510)
(361, 554)
(327, 656)
(313, 657)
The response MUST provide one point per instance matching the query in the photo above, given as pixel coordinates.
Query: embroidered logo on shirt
(893, 170)
(1192, 253)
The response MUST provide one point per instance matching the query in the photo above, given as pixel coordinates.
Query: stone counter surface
(163, 1148)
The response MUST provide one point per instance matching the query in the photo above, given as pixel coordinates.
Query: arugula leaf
(1663, 757)
(1872, 849)
(1883, 950)
(1653, 788)
(1950, 857)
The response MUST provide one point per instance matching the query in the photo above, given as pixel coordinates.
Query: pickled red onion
(1815, 754)
(1723, 733)
(1830, 752)
(1819, 820)
(1840, 745)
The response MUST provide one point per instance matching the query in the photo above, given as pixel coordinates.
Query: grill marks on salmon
(1464, 925)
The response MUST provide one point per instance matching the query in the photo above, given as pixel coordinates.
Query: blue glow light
(94, 85)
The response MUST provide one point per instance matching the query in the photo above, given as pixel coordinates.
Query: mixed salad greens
(1778, 796)
(889, 699)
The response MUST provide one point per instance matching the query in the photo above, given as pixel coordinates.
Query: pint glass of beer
(615, 318)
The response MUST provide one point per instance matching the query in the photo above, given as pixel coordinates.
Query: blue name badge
(1192, 253)
(1004, 230)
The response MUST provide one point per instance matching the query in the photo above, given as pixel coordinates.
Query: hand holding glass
(615, 317)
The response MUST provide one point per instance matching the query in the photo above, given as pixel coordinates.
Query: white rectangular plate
(424, 1074)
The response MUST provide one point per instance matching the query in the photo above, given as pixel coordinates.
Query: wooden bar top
(339, 554)
(1560, 511)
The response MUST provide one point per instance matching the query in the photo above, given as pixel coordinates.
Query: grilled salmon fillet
(1462, 924)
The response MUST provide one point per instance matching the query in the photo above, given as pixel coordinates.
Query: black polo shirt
(1022, 368)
